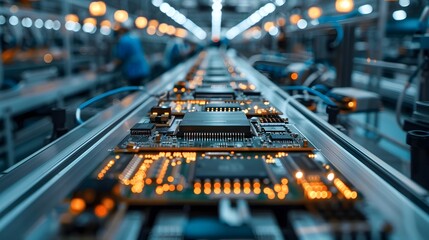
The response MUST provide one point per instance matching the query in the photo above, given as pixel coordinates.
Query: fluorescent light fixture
(27, 22)
(13, 20)
(273, 31)
(180, 18)
(2, 20)
(49, 24)
(39, 23)
(105, 30)
(279, 2)
(399, 15)
(254, 18)
(365, 9)
(404, 3)
(216, 19)
(301, 24)
(314, 22)
(157, 3)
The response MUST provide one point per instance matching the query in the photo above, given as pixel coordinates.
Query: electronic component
(215, 122)
(356, 100)
(160, 114)
(227, 93)
(142, 129)
(274, 128)
(222, 107)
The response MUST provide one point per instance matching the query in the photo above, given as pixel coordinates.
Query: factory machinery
(210, 150)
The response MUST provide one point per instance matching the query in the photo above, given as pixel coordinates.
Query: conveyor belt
(290, 158)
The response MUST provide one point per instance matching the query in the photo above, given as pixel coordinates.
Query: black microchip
(214, 93)
(142, 129)
(215, 122)
(234, 168)
(222, 107)
(217, 79)
(252, 93)
(281, 137)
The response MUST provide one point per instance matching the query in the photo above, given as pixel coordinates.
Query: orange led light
(294, 76)
(100, 211)
(77, 205)
(121, 16)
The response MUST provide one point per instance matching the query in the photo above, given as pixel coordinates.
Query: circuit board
(213, 135)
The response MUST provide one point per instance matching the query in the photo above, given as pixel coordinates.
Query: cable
(325, 98)
(401, 97)
(321, 88)
(340, 34)
(104, 95)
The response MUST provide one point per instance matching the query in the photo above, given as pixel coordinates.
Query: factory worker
(130, 56)
(175, 52)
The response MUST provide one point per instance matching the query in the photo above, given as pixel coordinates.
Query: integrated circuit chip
(223, 107)
(215, 122)
(274, 129)
(227, 93)
(142, 129)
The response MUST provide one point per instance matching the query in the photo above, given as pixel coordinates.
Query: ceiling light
(254, 18)
(301, 24)
(399, 15)
(294, 18)
(344, 6)
(180, 19)
(27, 22)
(121, 16)
(72, 18)
(106, 23)
(216, 19)
(49, 24)
(141, 22)
(163, 28)
(97, 8)
(365, 9)
(280, 2)
(273, 31)
(404, 3)
(314, 12)
(13, 20)
(268, 26)
(39, 23)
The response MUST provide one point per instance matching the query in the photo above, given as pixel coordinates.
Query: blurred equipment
(355, 100)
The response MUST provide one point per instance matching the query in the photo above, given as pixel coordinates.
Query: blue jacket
(130, 51)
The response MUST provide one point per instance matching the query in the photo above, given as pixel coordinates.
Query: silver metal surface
(38, 183)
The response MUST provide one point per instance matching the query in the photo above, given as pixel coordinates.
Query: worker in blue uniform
(175, 52)
(130, 56)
